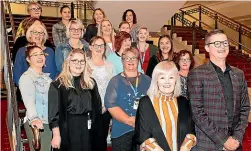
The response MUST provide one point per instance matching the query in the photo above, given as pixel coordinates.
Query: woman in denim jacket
(74, 32)
(34, 87)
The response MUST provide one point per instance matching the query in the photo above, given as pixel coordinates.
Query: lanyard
(142, 58)
(135, 90)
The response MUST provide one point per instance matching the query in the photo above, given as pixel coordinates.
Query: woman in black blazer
(92, 29)
(164, 121)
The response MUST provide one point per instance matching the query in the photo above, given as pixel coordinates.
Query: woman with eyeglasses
(122, 97)
(102, 72)
(92, 29)
(36, 35)
(122, 42)
(34, 9)
(106, 31)
(165, 53)
(59, 29)
(34, 86)
(185, 62)
(22, 41)
(75, 107)
(74, 33)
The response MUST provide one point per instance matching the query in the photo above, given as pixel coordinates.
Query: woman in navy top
(37, 35)
(121, 100)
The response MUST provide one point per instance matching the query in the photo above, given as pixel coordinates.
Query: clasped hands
(231, 144)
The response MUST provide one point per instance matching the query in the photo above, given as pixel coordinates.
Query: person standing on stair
(219, 98)
(34, 9)
(185, 62)
(74, 31)
(130, 16)
(146, 51)
(92, 29)
(36, 35)
(59, 29)
(165, 53)
(34, 86)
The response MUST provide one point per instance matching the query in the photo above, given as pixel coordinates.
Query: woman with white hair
(74, 31)
(164, 118)
(74, 109)
(36, 35)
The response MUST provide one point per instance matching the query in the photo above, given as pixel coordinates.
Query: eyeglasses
(38, 33)
(35, 9)
(76, 61)
(185, 60)
(75, 30)
(217, 44)
(102, 46)
(38, 55)
(128, 59)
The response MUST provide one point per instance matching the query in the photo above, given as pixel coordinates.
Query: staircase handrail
(12, 110)
(219, 17)
(13, 30)
(53, 3)
(200, 30)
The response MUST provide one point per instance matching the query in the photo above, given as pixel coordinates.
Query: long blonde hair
(100, 33)
(66, 78)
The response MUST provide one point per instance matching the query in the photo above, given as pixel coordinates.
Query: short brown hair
(183, 53)
(124, 22)
(119, 38)
(211, 33)
(27, 22)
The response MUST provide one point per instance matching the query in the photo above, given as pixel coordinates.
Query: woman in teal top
(123, 41)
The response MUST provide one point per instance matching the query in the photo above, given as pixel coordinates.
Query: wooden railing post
(182, 15)
(85, 16)
(171, 32)
(174, 20)
(72, 10)
(200, 17)
(240, 38)
(215, 21)
(194, 39)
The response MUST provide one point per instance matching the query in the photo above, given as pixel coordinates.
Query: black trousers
(123, 143)
(106, 118)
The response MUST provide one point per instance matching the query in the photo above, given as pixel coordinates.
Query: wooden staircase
(235, 58)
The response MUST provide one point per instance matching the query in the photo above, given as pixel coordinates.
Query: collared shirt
(63, 50)
(34, 89)
(227, 88)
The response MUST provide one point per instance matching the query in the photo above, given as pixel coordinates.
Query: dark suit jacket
(91, 31)
(147, 123)
(209, 107)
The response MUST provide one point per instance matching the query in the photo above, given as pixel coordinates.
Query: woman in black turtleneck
(75, 107)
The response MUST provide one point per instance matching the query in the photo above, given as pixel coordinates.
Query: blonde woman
(106, 31)
(74, 33)
(34, 9)
(75, 106)
(36, 34)
(164, 118)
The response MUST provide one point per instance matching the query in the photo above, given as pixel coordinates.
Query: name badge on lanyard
(135, 91)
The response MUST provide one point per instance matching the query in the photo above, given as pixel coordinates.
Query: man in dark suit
(219, 98)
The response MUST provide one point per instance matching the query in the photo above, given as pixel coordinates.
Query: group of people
(151, 96)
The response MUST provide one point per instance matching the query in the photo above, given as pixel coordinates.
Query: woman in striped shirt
(164, 119)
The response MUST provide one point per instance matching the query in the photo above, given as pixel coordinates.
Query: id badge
(89, 124)
(136, 104)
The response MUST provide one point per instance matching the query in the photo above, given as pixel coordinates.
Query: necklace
(79, 45)
(134, 89)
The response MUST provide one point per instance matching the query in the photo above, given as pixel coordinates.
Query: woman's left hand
(184, 148)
